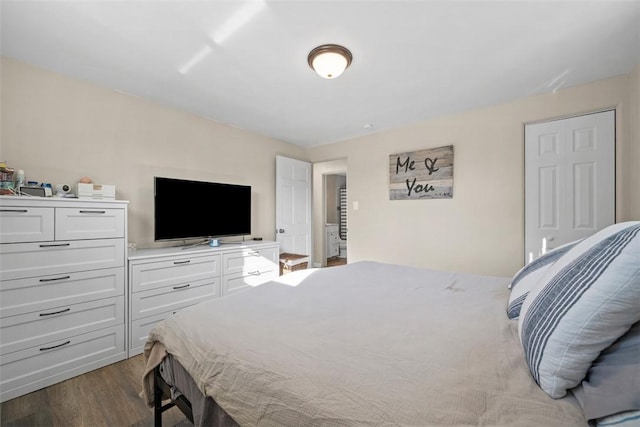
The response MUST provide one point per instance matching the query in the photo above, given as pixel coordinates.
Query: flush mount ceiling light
(329, 60)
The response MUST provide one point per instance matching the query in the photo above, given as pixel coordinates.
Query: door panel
(584, 208)
(569, 180)
(548, 198)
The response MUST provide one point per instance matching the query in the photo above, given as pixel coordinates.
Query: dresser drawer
(250, 260)
(26, 224)
(154, 301)
(21, 260)
(57, 323)
(39, 293)
(333, 250)
(45, 364)
(236, 282)
(173, 271)
(89, 223)
(140, 329)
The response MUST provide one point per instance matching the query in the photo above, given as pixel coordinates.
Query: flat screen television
(185, 209)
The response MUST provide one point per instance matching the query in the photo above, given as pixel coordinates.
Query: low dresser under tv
(165, 280)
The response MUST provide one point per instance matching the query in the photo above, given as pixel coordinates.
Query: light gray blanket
(364, 344)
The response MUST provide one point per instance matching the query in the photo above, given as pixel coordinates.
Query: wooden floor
(335, 261)
(105, 397)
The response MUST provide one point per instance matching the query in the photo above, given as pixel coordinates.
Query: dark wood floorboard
(105, 397)
(335, 261)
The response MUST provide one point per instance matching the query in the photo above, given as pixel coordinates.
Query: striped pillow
(529, 276)
(623, 419)
(586, 300)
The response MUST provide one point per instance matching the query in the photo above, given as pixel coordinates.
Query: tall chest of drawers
(62, 289)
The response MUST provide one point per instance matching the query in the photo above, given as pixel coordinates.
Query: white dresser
(333, 240)
(62, 289)
(163, 281)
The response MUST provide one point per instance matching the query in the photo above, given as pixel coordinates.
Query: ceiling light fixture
(329, 60)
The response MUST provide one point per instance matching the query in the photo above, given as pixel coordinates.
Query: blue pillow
(529, 276)
(586, 300)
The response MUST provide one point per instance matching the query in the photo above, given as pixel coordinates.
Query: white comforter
(363, 344)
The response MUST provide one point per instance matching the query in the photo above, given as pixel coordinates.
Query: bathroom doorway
(335, 191)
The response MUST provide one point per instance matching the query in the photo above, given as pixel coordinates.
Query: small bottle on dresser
(20, 178)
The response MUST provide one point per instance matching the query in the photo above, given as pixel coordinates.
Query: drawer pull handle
(51, 245)
(182, 262)
(255, 273)
(182, 287)
(254, 253)
(93, 212)
(55, 346)
(55, 278)
(57, 312)
(14, 210)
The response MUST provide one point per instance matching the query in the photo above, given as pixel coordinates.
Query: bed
(376, 344)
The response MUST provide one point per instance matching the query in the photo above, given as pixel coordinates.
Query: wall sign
(424, 174)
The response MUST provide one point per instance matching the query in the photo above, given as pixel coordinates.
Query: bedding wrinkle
(452, 287)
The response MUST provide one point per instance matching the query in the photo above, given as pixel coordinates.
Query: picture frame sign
(423, 174)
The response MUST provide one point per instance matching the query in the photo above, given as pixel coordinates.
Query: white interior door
(293, 205)
(569, 180)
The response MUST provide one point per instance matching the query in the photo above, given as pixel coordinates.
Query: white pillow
(529, 276)
(586, 300)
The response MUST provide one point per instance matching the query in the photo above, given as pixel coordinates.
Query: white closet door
(569, 180)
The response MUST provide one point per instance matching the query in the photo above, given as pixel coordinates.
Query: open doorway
(322, 170)
(335, 192)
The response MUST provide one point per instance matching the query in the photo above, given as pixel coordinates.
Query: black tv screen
(185, 209)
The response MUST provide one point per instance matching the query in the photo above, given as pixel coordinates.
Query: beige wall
(59, 129)
(479, 230)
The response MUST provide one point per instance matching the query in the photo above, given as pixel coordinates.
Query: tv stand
(193, 245)
(165, 280)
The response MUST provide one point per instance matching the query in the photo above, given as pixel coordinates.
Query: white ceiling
(244, 63)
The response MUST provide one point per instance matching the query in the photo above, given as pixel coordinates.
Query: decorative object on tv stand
(424, 174)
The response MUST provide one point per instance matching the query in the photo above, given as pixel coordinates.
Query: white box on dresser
(165, 280)
(62, 289)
